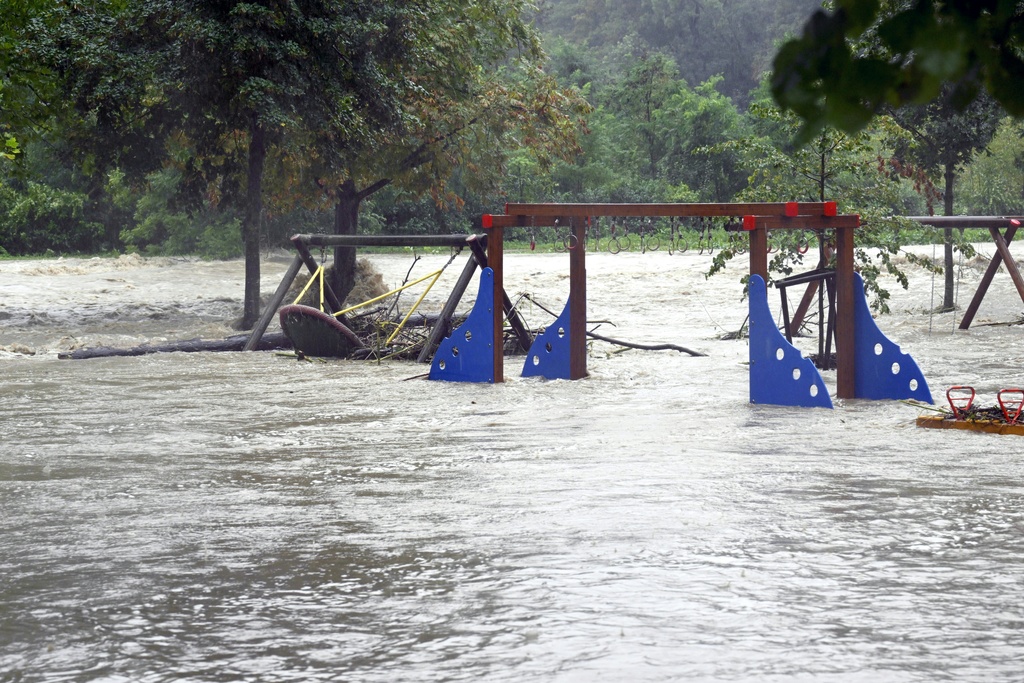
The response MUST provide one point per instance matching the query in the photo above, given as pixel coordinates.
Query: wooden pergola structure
(758, 219)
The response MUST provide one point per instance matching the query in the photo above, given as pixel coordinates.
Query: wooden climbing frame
(758, 219)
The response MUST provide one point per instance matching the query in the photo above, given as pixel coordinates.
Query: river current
(248, 517)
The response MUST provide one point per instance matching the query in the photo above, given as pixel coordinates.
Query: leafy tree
(862, 55)
(480, 96)
(157, 227)
(85, 214)
(9, 146)
(643, 91)
(705, 38)
(696, 121)
(992, 184)
(832, 166)
(944, 138)
(652, 137)
(231, 84)
(21, 82)
(34, 219)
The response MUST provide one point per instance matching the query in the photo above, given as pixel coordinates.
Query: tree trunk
(269, 342)
(251, 224)
(948, 304)
(346, 222)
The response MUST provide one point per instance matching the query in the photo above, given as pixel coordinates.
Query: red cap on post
(792, 209)
(749, 223)
(831, 209)
(487, 221)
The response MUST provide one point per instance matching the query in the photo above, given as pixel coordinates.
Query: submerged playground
(867, 364)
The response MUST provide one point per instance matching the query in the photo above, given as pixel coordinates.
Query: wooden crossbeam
(318, 240)
(801, 222)
(966, 221)
(669, 210)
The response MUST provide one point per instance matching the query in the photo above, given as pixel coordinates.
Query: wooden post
(812, 289)
(273, 304)
(496, 262)
(846, 370)
(444, 321)
(515, 321)
(578, 299)
(986, 282)
(1002, 255)
(1002, 246)
(758, 249)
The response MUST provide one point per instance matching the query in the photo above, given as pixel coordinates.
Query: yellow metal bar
(318, 272)
(374, 300)
(414, 307)
(322, 289)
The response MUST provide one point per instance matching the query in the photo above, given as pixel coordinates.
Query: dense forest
(219, 129)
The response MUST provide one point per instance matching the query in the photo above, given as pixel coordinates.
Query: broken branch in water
(646, 347)
(617, 342)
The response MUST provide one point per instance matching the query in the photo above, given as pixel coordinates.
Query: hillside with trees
(731, 39)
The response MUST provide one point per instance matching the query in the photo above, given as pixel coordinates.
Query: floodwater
(247, 517)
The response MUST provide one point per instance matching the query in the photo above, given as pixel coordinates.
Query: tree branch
(646, 347)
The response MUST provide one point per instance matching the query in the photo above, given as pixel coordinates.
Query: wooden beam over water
(668, 210)
(384, 240)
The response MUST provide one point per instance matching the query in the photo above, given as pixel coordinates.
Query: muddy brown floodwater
(245, 517)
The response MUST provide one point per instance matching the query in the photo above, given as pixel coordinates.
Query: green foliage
(428, 113)
(159, 229)
(834, 166)
(944, 135)
(859, 57)
(396, 213)
(652, 137)
(10, 149)
(992, 184)
(696, 121)
(40, 219)
(733, 39)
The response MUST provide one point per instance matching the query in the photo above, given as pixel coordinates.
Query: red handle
(961, 402)
(1012, 403)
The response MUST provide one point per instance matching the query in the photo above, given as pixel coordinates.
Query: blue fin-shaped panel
(882, 370)
(549, 353)
(467, 355)
(779, 374)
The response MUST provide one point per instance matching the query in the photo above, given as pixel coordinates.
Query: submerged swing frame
(1000, 237)
(478, 257)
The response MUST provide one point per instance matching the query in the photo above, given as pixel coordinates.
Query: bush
(40, 219)
(161, 230)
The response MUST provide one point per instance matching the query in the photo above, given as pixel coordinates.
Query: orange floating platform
(988, 426)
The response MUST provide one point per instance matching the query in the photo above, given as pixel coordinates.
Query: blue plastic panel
(549, 353)
(467, 355)
(779, 374)
(882, 370)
